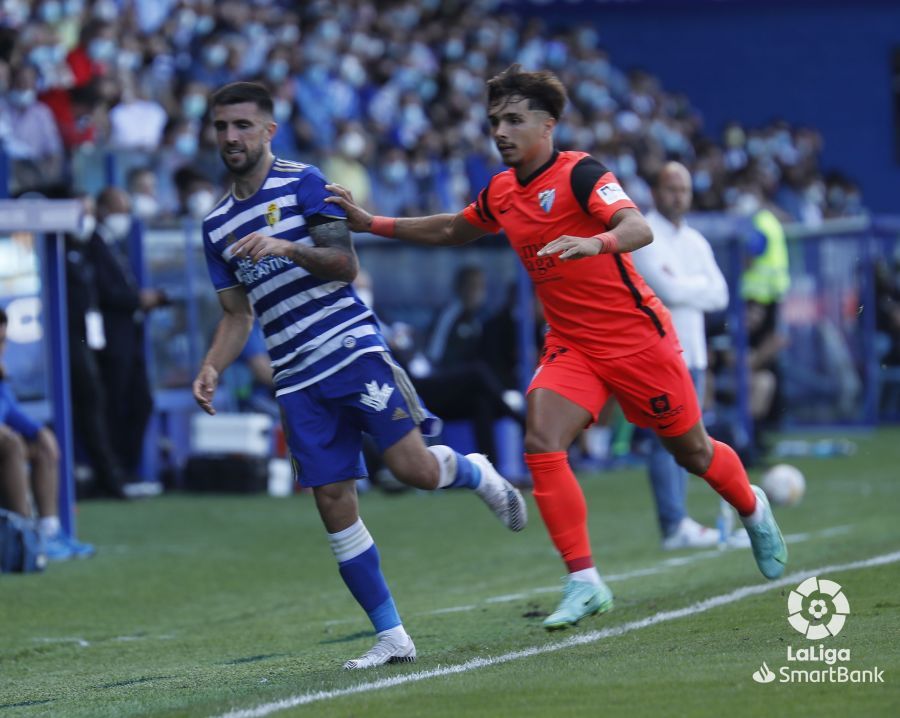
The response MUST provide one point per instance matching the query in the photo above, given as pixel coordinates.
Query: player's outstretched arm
(230, 337)
(628, 231)
(435, 229)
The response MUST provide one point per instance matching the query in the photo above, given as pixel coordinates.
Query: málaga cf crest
(273, 214)
(545, 199)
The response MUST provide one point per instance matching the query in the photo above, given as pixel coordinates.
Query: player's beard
(251, 161)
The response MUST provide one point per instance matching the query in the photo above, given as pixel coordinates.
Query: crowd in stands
(386, 97)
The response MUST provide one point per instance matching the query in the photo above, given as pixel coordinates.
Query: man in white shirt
(680, 268)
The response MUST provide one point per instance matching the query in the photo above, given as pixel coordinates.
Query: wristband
(383, 226)
(608, 243)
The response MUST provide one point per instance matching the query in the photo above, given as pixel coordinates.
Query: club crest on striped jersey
(545, 199)
(273, 214)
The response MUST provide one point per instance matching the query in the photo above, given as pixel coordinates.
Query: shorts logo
(349, 342)
(555, 353)
(660, 404)
(273, 214)
(399, 414)
(817, 608)
(545, 199)
(376, 398)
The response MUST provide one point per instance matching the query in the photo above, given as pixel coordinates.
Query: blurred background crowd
(386, 98)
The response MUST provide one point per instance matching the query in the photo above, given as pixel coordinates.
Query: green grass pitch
(201, 606)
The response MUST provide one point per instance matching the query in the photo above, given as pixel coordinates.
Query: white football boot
(386, 650)
(504, 499)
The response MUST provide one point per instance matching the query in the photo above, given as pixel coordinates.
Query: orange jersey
(601, 303)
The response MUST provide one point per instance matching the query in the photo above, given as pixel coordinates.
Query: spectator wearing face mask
(124, 305)
(196, 193)
(87, 338)
(142, 186)
(29, 134)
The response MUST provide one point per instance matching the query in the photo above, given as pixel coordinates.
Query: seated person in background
(467, 390)
(25, 443)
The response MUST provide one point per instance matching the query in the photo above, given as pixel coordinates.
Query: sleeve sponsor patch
(612, 193)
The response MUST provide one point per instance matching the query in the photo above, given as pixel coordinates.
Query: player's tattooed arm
(333, 256)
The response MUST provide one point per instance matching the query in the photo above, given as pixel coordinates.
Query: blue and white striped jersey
(313, 327)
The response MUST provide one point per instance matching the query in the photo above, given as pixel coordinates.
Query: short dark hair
(236, 93)
(4, 320)
(543, 90)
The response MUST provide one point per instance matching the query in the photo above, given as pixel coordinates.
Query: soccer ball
(784, 485)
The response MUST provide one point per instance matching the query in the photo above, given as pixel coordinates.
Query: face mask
(106, 10)
(193, 106)
(129, 60)
(186, 145)
(702, 181)
(205, 24)
(746, 204)
(352, 145)
(119, 225)
(200, 203)
(74, 7)
(216, 55)
(101, 49)
(281, 110)
(627, 166)
(277, 71)
(51, 12)
(145, 206)
(21, 98)
(44, 55)
(395, 171)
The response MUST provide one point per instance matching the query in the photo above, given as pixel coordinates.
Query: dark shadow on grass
(347, 639)
(133, 681)
(24, 704)
(252, 659)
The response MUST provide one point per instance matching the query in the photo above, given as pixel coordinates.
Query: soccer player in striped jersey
(572, 226)
(275, 248)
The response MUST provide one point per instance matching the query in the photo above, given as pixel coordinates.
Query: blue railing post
(190, 296)
(871, 368)
(54, 298)
(4, 175)
(737, 321)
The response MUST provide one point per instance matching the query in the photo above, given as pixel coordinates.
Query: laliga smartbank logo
(818, 609)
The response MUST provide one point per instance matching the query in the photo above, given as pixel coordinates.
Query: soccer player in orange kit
(572, 225)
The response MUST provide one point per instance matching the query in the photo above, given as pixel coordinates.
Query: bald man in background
(680, 268)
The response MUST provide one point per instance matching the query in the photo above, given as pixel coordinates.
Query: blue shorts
(324, 422)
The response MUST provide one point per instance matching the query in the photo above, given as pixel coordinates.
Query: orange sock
(726, 474)
(562, 506)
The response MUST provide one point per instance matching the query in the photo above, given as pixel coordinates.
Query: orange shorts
(653, 386)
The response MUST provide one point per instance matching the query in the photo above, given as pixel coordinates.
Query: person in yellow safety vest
(763, 284)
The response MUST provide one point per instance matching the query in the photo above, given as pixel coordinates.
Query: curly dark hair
(543, 90)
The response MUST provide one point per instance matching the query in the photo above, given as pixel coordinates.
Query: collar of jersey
(540, 170)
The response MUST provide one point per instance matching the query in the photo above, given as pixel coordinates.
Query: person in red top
(573, 225)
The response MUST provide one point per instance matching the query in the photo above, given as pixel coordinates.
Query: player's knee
(542, 442)
(11, 444)
(695, 459)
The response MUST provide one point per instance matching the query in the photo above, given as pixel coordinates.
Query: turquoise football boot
(769, 548)
(580, 599)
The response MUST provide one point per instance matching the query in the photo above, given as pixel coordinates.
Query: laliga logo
(825, 612)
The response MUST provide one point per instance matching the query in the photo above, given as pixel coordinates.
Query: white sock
(350, 542)
(397, 635)
(446, 458)
(756, 516)
(587, 575)
(49, 526)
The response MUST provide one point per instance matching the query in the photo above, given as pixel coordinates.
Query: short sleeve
(598, 191)
(219, 271)
(479, 213)
(311, 194)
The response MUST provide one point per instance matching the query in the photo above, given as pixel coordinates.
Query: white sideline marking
(578, 640)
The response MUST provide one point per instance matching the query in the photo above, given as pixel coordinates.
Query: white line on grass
(578, 640)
